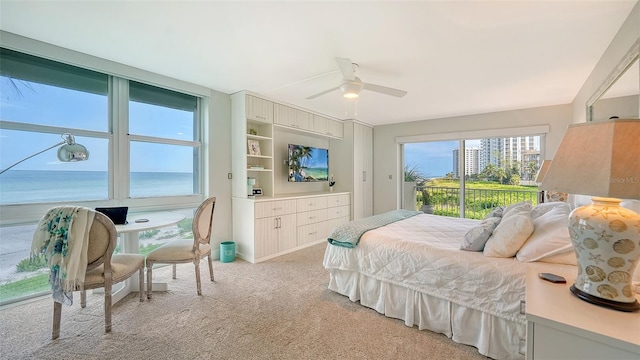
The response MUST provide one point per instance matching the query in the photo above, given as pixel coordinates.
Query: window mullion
(119, 161)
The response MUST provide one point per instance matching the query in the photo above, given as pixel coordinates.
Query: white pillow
(568, 257)
(544, 208)
(514, 229)
(478, 235)
(524, 205)
(550, 235)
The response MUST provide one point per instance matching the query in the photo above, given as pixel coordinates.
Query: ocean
(32, 186)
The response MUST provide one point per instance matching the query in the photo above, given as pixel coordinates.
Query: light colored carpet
(278, 309)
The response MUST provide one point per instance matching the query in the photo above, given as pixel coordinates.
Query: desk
(129, 234)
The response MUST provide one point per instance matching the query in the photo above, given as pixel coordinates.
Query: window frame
(461, 137)
(119, 75)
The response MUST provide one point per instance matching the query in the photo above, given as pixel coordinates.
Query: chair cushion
(122, 267)
(177, 250)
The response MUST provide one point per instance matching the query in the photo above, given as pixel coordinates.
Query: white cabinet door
(259, 109)
(335, 128)
(320, 124)
(266, 235)
(363, 171)
(367, 161)
(293, 118)
(287, 232)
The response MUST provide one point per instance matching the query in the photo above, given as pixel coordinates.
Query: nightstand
(561, 326)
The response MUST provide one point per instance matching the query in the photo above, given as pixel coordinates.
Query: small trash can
(227, 251)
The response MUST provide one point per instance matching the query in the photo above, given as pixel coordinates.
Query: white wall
(386, 150)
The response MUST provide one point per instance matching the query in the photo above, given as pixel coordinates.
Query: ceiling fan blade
(321, 93)
(346, 67)
(384, 90)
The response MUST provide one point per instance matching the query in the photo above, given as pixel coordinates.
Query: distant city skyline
(436, 159)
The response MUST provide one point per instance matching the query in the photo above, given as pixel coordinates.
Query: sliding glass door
(468, 178)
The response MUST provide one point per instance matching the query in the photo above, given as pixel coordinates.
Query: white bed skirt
(493, 336)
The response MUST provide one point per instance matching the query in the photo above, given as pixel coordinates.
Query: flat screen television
(308, 164)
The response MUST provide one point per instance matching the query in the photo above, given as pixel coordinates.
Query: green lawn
(481, 197)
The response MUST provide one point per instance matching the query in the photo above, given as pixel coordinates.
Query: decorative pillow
(507, 238)
(544, 208)
(477, 236)
(524, 205)
(550, 235)
(495, 212)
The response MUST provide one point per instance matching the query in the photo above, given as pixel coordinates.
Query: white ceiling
(453, 57)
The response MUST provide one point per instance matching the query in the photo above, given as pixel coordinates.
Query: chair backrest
(202, 221)
(102, 242)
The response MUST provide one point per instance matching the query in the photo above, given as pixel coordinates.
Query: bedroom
(558, 114)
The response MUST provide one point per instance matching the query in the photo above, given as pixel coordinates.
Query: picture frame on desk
(257, 191)
(254, 147)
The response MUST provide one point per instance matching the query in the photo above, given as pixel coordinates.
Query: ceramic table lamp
(602, 159)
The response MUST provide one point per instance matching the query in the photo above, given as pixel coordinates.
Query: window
(144, 147)
(164, 147)
(492, 172)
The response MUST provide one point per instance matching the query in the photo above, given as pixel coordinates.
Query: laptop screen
(117, 214)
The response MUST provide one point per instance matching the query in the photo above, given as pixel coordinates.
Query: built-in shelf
(259, 156)
(258, 137)
(259, 170)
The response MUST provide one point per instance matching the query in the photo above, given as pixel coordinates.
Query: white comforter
(422, 253)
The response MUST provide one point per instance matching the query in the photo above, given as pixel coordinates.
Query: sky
(433, 159)
(48, 105)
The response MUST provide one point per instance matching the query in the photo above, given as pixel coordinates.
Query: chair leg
(174, 271)
(149, 277)
(57, 312)
(141, 283)
(210, 267)
(107, 304)
(197, 265)
(83, 298)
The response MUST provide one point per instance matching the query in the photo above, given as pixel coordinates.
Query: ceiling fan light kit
(351, 89)
(351, 85)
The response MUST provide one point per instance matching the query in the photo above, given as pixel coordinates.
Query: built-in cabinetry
(355, 171)
(561, 326)
(276, 223)
(268, 227)
(253, 119)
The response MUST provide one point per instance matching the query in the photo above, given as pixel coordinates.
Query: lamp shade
(543, 170)
(599, 159)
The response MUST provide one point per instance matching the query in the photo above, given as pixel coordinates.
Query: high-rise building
(471, 164)
(503, 152)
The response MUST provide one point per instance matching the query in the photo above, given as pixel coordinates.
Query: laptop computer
(117, 214)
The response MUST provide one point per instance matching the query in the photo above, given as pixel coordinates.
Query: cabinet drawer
(274, 208)
(312, 232)
(310, 217)
(312, 203)
(338, 212)
(338, 200)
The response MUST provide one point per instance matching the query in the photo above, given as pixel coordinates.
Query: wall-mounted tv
(308, 164)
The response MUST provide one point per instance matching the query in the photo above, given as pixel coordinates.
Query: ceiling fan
(352, 86)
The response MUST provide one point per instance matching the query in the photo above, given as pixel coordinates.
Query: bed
(413, 269)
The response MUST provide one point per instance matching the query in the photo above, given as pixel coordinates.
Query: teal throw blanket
(349, 234)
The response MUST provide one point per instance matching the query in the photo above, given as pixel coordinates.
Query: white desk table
(129, 234)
